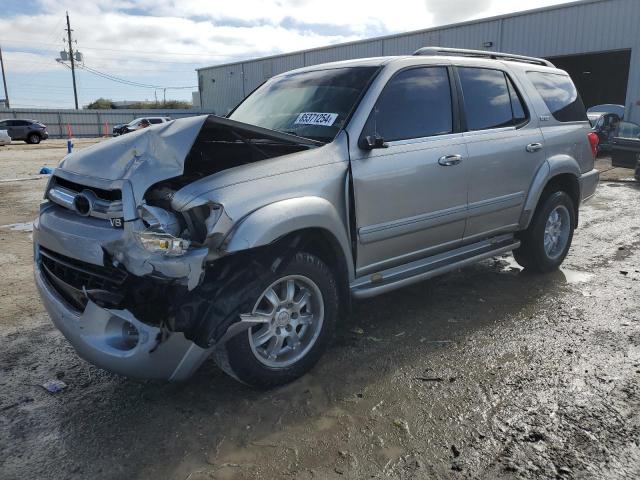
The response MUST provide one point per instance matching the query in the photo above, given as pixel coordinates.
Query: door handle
(533, 147)
(449, 160)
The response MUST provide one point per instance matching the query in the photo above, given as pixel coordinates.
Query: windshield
(309, 104)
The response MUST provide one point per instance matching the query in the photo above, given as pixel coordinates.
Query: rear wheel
(546, 242)
(296, 312)
(33, 138)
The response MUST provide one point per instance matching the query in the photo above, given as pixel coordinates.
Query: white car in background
(5, 139)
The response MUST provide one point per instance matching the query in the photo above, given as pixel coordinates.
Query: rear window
(560, 96)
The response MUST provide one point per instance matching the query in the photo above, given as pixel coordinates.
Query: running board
(397, 277)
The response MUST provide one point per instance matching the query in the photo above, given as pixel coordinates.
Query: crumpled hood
(144, 157)
(150, 155)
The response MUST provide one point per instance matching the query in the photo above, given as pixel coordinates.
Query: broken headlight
(161, 242)
(162, 232)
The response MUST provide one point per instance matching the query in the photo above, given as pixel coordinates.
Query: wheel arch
(559, 173)
(310, 221)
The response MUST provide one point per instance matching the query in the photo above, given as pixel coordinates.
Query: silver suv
(245, 238)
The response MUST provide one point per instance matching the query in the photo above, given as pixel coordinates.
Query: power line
(131, 82)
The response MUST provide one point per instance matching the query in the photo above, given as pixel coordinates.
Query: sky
(160, 43)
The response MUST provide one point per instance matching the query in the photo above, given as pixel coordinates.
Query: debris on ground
(54, 386)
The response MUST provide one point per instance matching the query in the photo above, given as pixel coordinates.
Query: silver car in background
(245, 238)
(5, 139)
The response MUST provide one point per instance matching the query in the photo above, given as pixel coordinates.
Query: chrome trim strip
(62, 196)
(394, 228)
(496, 204)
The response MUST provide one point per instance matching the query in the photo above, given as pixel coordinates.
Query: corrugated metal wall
(88, 123)
(585, 27)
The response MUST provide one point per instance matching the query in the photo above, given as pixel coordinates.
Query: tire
(33, 138)
(245, 356)
(533, 254)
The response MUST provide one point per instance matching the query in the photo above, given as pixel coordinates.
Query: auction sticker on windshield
(316, 118)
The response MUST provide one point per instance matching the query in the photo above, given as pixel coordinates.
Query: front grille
(71, 278)
(81, 274)
(109, 195)
(103, 203)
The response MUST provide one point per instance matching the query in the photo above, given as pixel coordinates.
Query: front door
(505, 147)
(410, 197)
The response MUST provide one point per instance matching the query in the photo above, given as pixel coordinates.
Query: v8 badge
(117, 222)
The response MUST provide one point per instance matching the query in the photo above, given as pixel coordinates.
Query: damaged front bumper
(103, 333)
(117, 341)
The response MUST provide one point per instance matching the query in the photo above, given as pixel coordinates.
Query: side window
(415, 103)
(560, 95)
(628, 130)
(518, 108)
(155, 120)
(487, 102)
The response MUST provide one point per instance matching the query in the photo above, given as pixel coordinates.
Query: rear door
(505, 150)
(22, 128)
(411, 196)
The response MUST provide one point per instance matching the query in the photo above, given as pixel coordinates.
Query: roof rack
(463, 52)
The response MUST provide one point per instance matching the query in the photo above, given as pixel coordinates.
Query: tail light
(593, 142)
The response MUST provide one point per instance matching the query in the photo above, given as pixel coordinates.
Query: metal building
(596, 41)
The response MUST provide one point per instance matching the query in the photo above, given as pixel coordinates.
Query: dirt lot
(488, 372)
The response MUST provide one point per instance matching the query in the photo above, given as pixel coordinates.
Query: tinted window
(155, 120)
(560, 96)
(628, 130)
(487, 102)
(415, 103)
(518, 109)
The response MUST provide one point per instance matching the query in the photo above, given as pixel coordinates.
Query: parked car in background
(595, 112)
(605, 127)
(5, 139)
(31, 131)
(244, 238)
(625, 145)
(136, 124)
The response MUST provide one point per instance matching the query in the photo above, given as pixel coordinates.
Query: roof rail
(463, 52)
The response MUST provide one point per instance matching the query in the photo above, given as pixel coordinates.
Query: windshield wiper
(291, 132)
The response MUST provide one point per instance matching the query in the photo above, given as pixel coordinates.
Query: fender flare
(275, 220)
(554, 166)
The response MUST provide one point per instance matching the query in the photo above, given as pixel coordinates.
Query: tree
(108, 104)
(100, 104)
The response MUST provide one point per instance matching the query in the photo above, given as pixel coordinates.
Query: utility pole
(73, 65)
(4, 80)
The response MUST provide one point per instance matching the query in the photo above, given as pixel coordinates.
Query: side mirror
(372, 141)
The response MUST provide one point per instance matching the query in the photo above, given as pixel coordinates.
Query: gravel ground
(487, 372)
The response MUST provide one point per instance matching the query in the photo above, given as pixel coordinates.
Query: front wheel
(33, 139)
(546, 242)
(296, 310)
